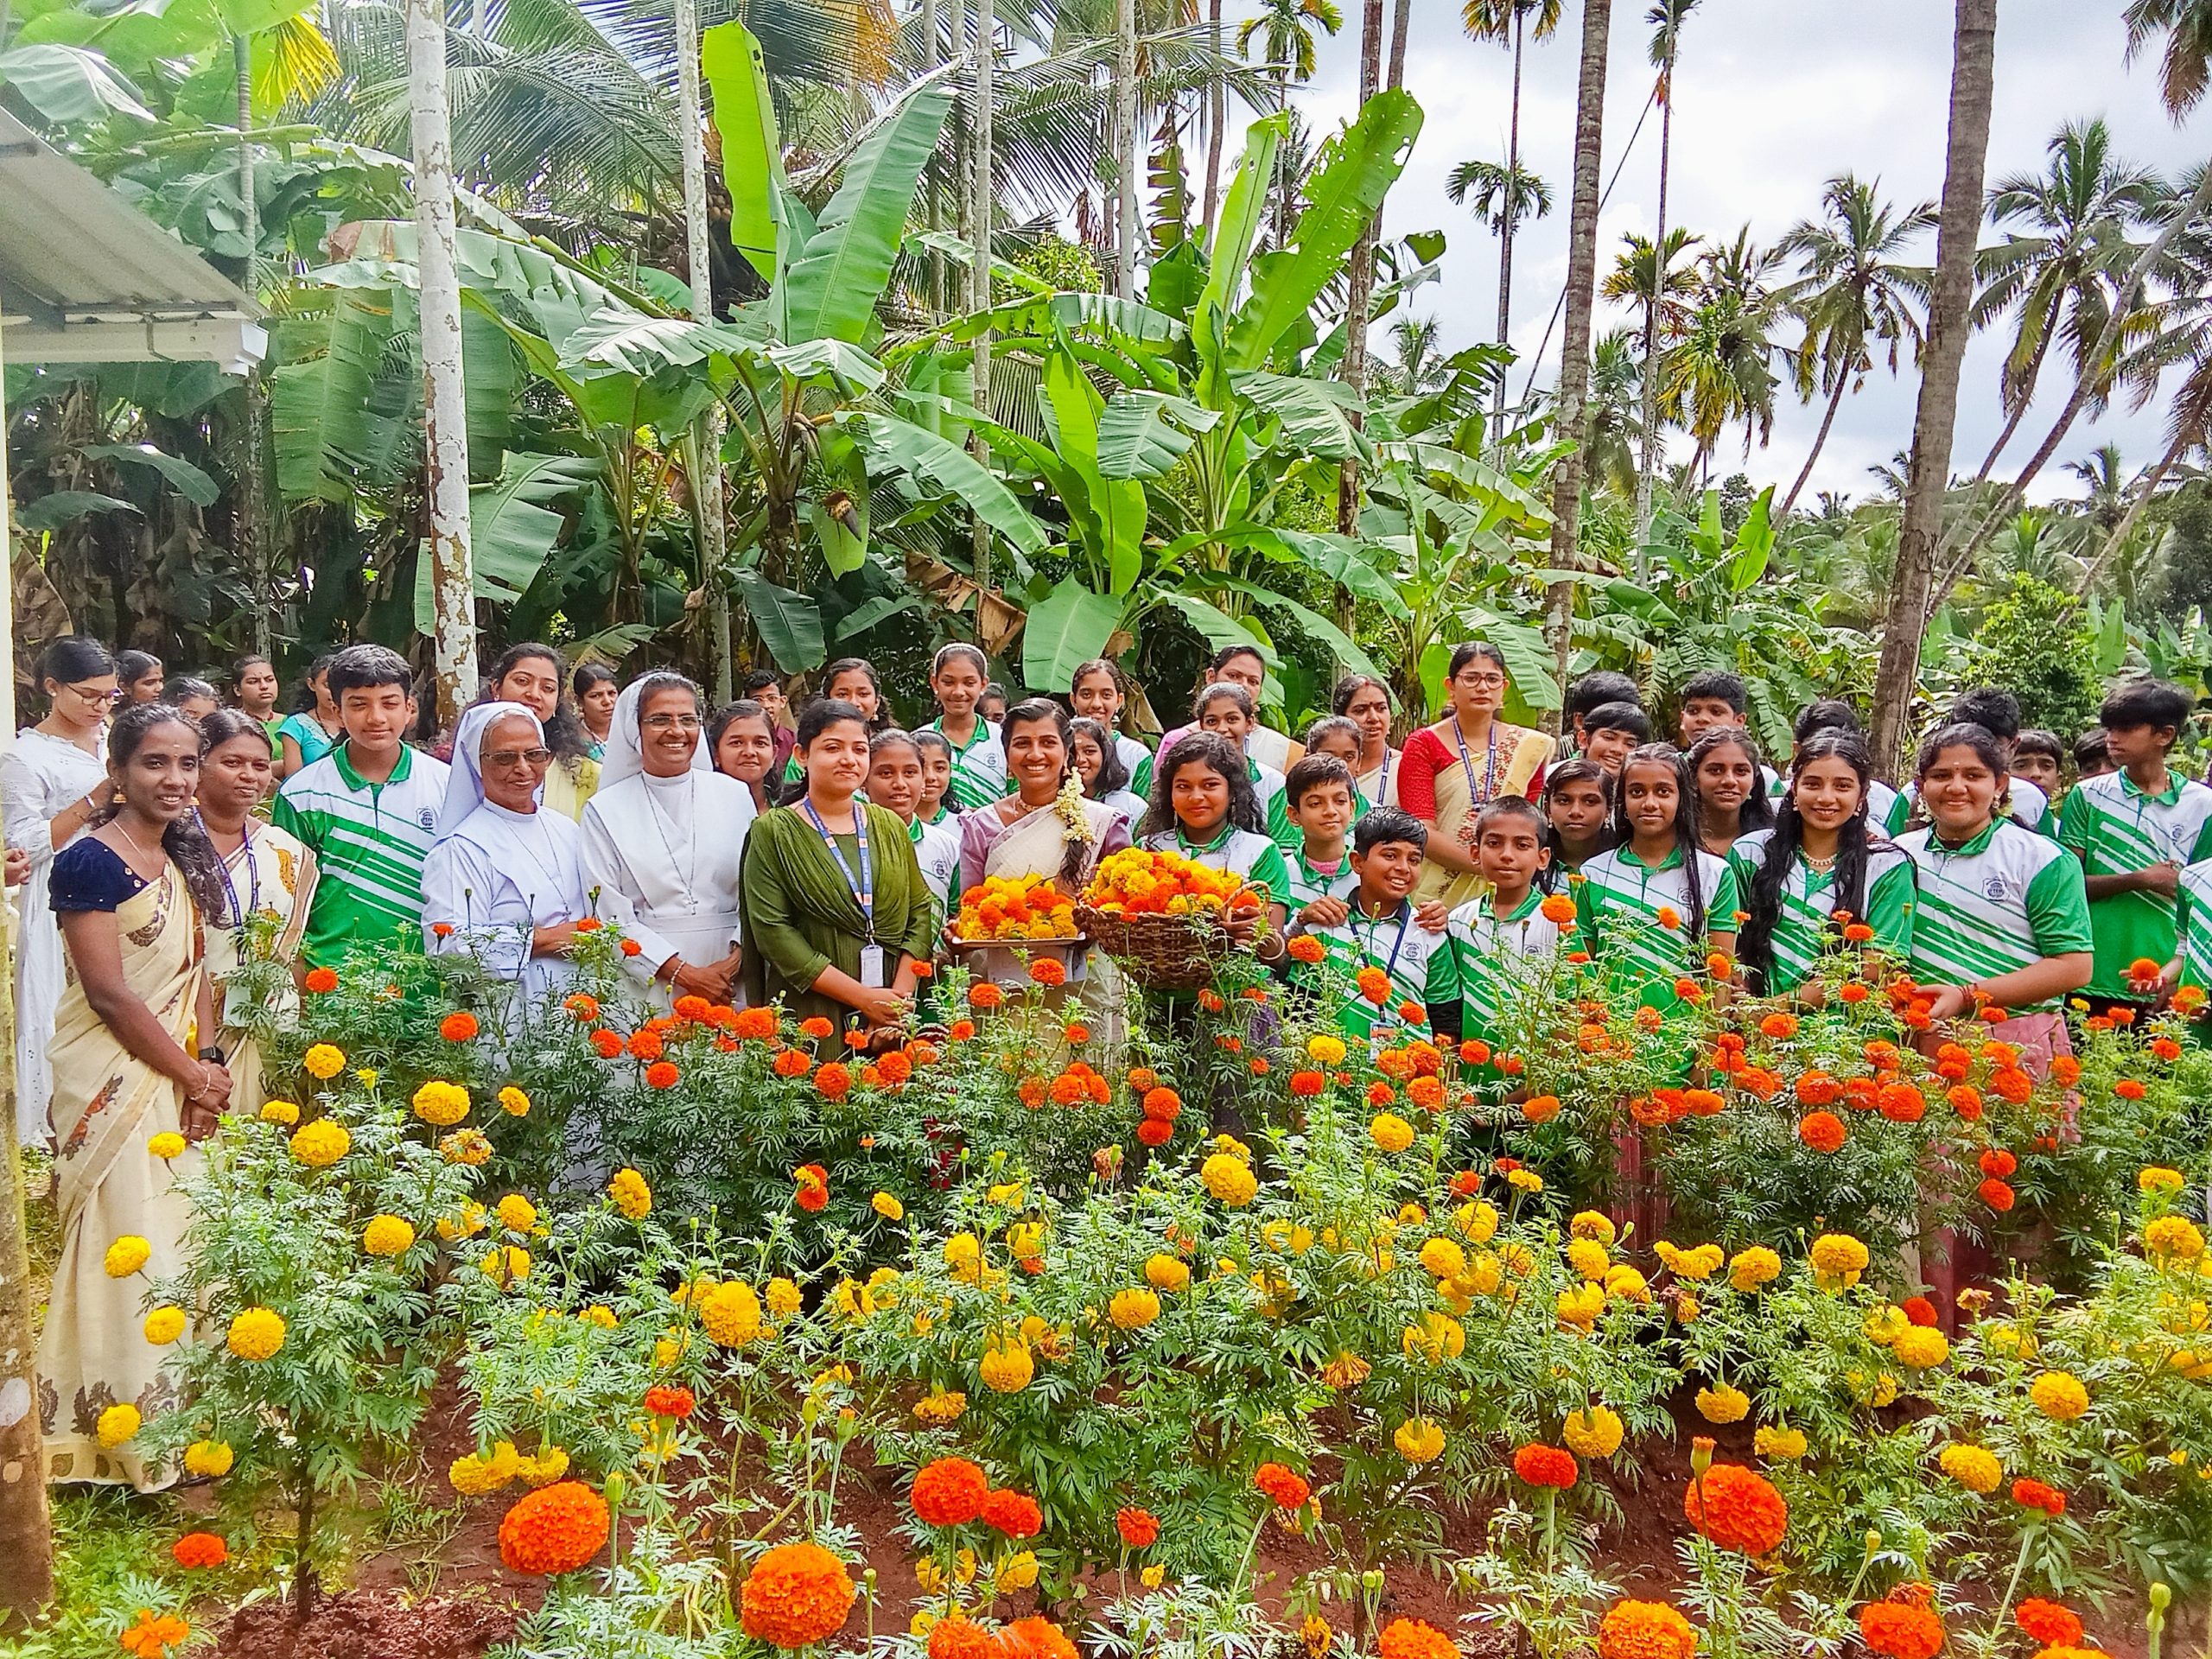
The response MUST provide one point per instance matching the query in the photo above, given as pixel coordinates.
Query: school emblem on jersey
(428, 818)
(1997, 888)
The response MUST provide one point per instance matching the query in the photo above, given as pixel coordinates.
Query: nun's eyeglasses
(502, 758)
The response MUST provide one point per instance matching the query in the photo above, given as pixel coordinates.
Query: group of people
(181, 862)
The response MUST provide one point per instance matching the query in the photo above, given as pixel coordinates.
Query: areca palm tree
(1614, 438)
(2061, 274)
(1290, 29)
(1635, 279)
(1420, 365)
(1666, 19)
(1853, 294)
(1505, 197)
(2186, 24)
(1511, 23)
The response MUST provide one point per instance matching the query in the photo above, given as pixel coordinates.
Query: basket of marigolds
(1165, 918)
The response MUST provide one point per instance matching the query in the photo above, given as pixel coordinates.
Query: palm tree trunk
(1125, 148)
(1401, 23)
(930, 207)
(1648, 457)
(251, 513)
(1217, 114)
(1362, 292)
(979, 277)
(2019, 408)
(1973, 75)
(1505, 229)
(707, 481)
(1282, 169)
(1573, 402)
(453, 580)
(2152, 480)
(1820, 442)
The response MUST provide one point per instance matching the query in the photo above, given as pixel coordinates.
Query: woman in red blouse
(1453, 769)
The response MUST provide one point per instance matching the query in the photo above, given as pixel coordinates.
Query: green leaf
(1242, 212)
(1341, 646)
(789, 624)
(1070, 625)
(843, 549)
(189, 481)
(1339, 558)
(1143, 433)
(745, 120)
(69, 86)
(1428, 245)
(900, 446)
(1218, 629)
(1754, 545)
(52, 511)
(2112, 640)
(830, 288)
(615, 338)
(511, 528)
(1355, 171)
(1316, 415)
(1176, 280)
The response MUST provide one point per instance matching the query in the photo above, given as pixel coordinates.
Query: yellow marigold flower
(1594, 1433)
(1133, 1309)
(506, 1264)
(2059, 1395)
(1025, 1240)
(118, 1424)
(279, 1111)
(1154, 1576)
(1581, 1307)
(1006, 1194)
(1885, 1324)
(1477, 1221)
(1007, 1367)
(1625, 1284)
(1587, 1257)
(441, 1104)
(1325, 1050)
(1838, 1259)
(256, 1333)
(464, 1222)
(323, 1062)
(1686, 1308)
(1754, 1267)
(1165, 1272)
(2159, 1180)
(851, 1299)
(632, 1196)
(1922, 1347)
(1877, 1390)
(369, 1076)
(1443, 1258)
(164, 1326)
(600, 1315)
(387, 1236)
(730, 1314)
(962, 1251)
(1973, 1467)
(1696, 1265)
(1346, 1370)
(1419, 1441)
(472, 1476)
(1017, 1572)
(1524, 1180)
(1230, 1144)
(2173, 1238)
(888, 1207)
(1588, 1224)
(783, 1297)
(321, 1143)
(516, 1214)
(1229, 1178)
(1723, 1404)
(126, 1255)
(1390, 1132)
(212, 1459)
(941, 1407)
(469, 1146)
(166, 1145)
(1482, 1278)
(1782, 1445)
(1436, 1338)
(548, 1466)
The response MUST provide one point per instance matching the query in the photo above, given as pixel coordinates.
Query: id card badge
(872, 973)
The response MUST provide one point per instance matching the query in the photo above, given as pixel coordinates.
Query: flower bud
(1701, 1455)
(2162, 1596)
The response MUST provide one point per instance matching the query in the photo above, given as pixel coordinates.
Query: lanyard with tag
(863, 891)
(236, 1002)
(1367, 940)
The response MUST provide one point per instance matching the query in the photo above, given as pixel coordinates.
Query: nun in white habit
(663, 838)
(504, 880)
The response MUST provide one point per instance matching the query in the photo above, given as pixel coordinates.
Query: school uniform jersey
(1619, 901)
(1491, 954)
(2193, 925)
(1421, 965)
(1133, 756)
(1239, 852)
(1801, 933)
(978, 769)
(937, 849)
(1131, 806)
(369, 841)
(2004, 901)
(1309, 884)
(2116, 829)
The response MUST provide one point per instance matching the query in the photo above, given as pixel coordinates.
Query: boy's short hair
(365, 668)
(1387, 823)
(1595, 689)
(1828, 715)
(2148, 703)
(927, 738)
(1996, 710)
(1618, 717)
(2035, 741)
(1728, 687)
(2090, 749)
(1511, 809)
(1315, 772)
(759, 680)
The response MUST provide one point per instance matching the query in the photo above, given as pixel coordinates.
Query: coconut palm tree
(1505, 198)
(1613, 440)
(1289, 28)
(1666, 19)
(1634, 280)
(2186, 24)
(2103, 476)
(1721, 370)
(1852, 295)
(1419, 365)
(1511, 23)
(2060, 274)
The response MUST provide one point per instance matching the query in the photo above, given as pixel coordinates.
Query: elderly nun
(662, 839)
(504, 880)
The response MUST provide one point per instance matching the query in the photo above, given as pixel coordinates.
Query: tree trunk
(26, 1533)
(1402, 22)
(1820, 442)
(250, 515)
(1973, 66)
(1362, 294)
(453, 583)
(979, 275)
(1283, 190)
(1573, 413)
(1217, 115)
(1125, 148)
(1505, 232)
(2152, 480)
(1647, 456)
(707, 486)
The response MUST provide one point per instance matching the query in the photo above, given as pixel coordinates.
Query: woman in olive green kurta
(833, 927)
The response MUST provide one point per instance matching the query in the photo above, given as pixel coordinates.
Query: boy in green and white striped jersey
(1382, 929)
(1332, 736)
(1508, 935)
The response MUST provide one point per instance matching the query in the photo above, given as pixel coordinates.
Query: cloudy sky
(1772, 98)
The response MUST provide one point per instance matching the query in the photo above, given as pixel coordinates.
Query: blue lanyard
(239, 917)
(863, 886)
(1367, 943)
(1490, 764)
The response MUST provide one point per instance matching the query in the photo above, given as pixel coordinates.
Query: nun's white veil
(625, 757)
(465, 787)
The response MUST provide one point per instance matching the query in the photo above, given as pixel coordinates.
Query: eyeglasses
(1483, 682)
(666, 722)
(502, 758)
(94, 697)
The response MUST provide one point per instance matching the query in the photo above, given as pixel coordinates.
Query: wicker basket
(1162, 953)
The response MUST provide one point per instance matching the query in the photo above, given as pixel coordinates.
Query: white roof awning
(86, 277)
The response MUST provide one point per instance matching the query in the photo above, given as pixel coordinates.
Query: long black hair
(1686, 836)
(1757, 811)
(1112, 774)
(1202, 748)
(1856, 844)
(183, 840)
(73, 658)
(1580, 770)
(564, 730)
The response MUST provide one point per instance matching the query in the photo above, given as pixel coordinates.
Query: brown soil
(369, 1624)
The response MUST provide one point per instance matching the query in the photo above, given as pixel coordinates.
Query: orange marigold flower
(1412, 1638)
(1818, 1089)
(1559, 910)
(1778, 1025)
(645, 1044)
(1645, 1629)
(582, 1009)
(1287, 1489)
(632, 948)
(2012, 1085)
(1035, 1637)
(1162, 1103)
(662, 1074)
(1667, 916)
(2129, 1088)
(1374, 984)
(2034, 1495)
(1897, 1631)
(1380, 1094)
(691, 1006)
(1822, 1131)
(2048, 1623)
(1540, 1108)
(664, 1401)
(1139, 1529)
(1474, 1052)
(1210, 1000)
(322, 981)
(1155, 1132)
(754, 1024)
(1014, 1514)
(1966, 1102)
(1998, 1162)
(556, 1529)
(2164, 1048)
(1546, 1465)
(1996, 1194)
(1858, 933)
(792, 1063)
(1425, 1092)
(948, 1492)
(1305, 948)
(1308, 1083)
(2066, 1070)
(1737, 1508)
(198, 1549)
(608, 1044)
(1854, 992)
(957, 1636)
(1902, 1103)
(834, 1081)
(984, 994)
(1048, 971)
(154, 1635)
(796, 1595)
(1703, 1103)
